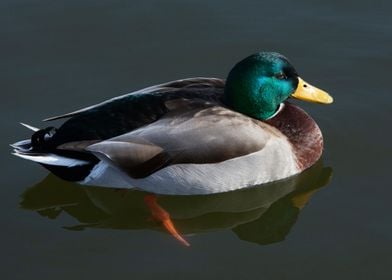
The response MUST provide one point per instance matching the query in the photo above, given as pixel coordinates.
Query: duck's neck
(251, 95)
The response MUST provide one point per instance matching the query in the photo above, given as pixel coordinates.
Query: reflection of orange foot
(160, 214)
(300, 200)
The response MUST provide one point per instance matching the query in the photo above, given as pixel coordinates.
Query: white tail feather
(30, 127)
(51, 159)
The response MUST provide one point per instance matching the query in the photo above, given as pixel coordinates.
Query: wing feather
(137, 159)
(161, 88)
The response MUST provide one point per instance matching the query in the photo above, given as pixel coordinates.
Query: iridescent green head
(257, 85)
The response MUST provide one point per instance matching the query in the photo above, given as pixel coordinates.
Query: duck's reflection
(262, 214)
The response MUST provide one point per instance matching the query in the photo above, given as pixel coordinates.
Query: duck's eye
(281, 76)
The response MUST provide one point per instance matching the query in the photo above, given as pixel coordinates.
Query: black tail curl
(41, 139)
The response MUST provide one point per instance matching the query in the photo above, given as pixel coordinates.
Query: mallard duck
(190, 136)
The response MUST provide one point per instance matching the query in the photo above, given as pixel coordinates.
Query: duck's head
(257, 85)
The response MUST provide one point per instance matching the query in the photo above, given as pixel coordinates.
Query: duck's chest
(302, 132)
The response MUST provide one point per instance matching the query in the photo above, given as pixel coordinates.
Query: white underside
(274, 162)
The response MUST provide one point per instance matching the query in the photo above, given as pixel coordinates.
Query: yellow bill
(307, 92)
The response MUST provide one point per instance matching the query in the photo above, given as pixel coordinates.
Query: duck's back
(131, 111)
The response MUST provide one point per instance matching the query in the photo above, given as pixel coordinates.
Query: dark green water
(57, 56)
